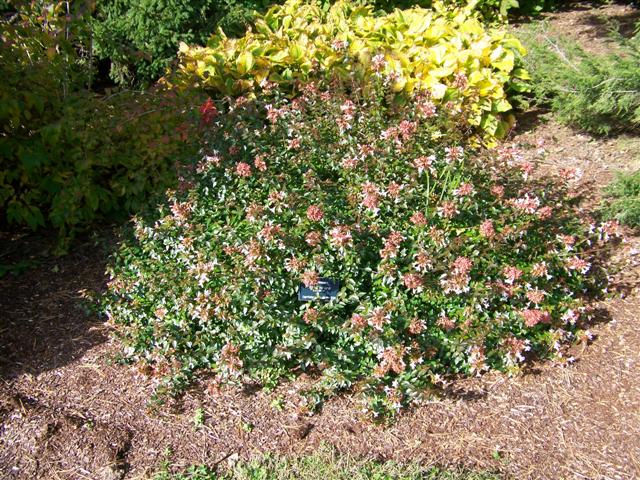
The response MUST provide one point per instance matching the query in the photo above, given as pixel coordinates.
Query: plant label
(327, 289)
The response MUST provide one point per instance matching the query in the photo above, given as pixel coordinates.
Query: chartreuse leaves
(445, 51)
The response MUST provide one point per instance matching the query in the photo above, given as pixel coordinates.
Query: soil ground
(68, 412)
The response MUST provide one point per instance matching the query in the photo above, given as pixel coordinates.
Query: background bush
(597, 93)
(623, 202)
(448, 54)
(70, 156)
(447, 262)
(140, 37)
(489, 10)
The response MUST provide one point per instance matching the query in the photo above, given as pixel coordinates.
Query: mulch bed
(67, 411)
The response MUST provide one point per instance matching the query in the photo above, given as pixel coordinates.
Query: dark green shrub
(448, 261)
(623, 201)
(141, 37)
(40, 69)
(69, 156)
(599, 94)
(101, 157)
(490, 10)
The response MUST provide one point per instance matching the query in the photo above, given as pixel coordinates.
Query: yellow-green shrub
(448, 52)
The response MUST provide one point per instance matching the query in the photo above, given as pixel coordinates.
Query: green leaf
(245, 62)
(32, 158)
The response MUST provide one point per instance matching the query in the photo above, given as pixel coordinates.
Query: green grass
(623, 199)
(325, 464)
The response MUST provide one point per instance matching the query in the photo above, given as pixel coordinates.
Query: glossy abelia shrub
(449, 261)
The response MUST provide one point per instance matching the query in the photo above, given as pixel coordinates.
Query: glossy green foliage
(449, 261)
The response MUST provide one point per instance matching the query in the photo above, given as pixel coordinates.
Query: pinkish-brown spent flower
(448, 209)
(427, 108)
(340, 236)
(310, 278)
(462, 265)
(511, 274)
(464, 190)
(413, 281)
(243, 169)
(544, 213)
(539, 270)
(460, 81)
(419, 219)
(487, 229)
(423, 163)
(254, 211)
(610, 228)
(416, 326)
(407, 129)
(293, 264)
(358, 321)
(497, 191)
(350, 162)
(371, 198)
(446, 323)
(311, 315)
(536, 296)
(532, 317)
(394, 189)
(181, 210)
(422, 261)
(315, 213)
(377, 318)
(453, 153)
(527, 204)
(259, 163)
(391, 360)
(270, 231)
(391, 245)
(294, 144)
(313, 239)
(230, 356)
(578, 264)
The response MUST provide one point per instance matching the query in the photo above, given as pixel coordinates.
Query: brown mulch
(590, 23)
(67, 411)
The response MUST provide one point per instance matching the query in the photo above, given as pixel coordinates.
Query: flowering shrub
(445, 51)
(447, 261)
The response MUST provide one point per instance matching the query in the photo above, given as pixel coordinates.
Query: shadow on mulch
(45, 322)
(602, 26)
(529, 120)
(575, 6)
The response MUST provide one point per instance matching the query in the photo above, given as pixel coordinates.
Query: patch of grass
(623, 202)
(325, 464)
